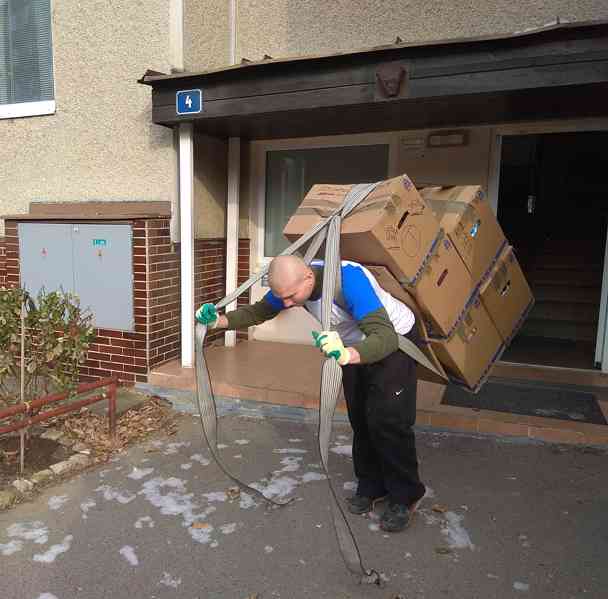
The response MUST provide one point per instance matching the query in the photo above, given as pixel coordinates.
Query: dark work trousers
(381, 401)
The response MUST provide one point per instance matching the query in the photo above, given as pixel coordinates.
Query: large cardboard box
(392, 227)
(473, 349)
(389, 283)
(466, 216)
(468, 355)
(395, 228)
(506, 295)
(443, 289)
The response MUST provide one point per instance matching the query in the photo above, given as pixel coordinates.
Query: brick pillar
(2, 263)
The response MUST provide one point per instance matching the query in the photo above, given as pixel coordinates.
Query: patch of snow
(139, 523)
(197, 457)
(458, 537)
(310, 476)
(290, 464)
(268, 549)
(346, 450)
(129, 554)
(201, 535)
(295, 440)
(186, 466)
(351, 485)
(215, 496)
(277, 487)
(246, 501)
(56, 501)
(53, 551)
(169, 581)
(228, 529)
(11, 547)
(521, 586)
(172, 448)
(29, 531)
(289, 450)
(112, 494)
(46, 596)
(85, 506)
(139, 473)
(242, 441)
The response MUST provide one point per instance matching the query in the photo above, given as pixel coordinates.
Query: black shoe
(361, 504)
(397, 517)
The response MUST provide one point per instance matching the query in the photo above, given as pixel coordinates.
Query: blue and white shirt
(362, 296)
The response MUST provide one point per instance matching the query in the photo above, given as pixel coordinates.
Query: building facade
(84, 142)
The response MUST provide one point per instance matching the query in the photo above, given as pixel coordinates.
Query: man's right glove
(207, 315)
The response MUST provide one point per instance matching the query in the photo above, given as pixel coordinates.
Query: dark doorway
(552, 205)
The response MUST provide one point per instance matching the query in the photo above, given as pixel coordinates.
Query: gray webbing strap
(331, 375)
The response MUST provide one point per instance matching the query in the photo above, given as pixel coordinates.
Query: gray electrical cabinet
(91, 260)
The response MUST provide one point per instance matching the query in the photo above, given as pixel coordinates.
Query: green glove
(207, 315)
(331, 345)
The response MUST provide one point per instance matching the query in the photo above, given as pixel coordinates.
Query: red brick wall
(11, 251)
(156, 274)
(2, 263)
(163, 293)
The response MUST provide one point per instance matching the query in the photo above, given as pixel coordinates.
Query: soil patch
(39, 455)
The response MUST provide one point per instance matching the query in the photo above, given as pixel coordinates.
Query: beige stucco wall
(210, 186)
(101, 143)
(206, 34)
(298, 27)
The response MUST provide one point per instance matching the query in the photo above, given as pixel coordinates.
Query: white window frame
(29, 109)
(258, 152)
(24, 109)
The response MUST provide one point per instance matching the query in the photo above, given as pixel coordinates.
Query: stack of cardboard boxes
(442, 251)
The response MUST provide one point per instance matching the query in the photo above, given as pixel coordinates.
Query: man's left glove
(331, 345)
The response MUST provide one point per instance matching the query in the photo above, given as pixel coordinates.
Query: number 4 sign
(189, 101)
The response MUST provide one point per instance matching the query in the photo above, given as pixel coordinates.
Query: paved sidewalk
(520, 520)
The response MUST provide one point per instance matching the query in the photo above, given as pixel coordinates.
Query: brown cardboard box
(393, 226)
(506, 295)
(467, 218)
(389, 283)
(443, 289)
(470, 353)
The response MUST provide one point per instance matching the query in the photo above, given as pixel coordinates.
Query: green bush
(57, 336)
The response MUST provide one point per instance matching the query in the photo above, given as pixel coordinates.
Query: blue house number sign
(189, 101)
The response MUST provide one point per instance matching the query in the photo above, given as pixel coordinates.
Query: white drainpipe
(232, 203)
(232, 226)
(186, 202)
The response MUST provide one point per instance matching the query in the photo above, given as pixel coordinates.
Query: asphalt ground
(501, 519)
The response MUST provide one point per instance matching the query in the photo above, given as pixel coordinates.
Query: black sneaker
(361, 504)
(397, 517)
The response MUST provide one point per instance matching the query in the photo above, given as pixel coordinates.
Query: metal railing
(31, 408)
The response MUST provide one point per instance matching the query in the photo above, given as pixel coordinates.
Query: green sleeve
(247, 316)
(381, 338)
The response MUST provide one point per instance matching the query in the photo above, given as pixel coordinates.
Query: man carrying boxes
(379, 381)
(438, 270)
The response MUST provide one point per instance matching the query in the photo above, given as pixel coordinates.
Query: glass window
(26, 58)
(291, 173)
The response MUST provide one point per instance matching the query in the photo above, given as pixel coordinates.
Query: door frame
(546, 127)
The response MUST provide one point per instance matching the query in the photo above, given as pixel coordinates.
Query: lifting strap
(328, 231)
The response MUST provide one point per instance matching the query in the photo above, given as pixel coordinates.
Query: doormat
(529, 400)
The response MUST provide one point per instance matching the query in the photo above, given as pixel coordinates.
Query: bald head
(288, 276)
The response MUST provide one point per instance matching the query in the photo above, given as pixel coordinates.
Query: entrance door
(286, 175)
(553, 206)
